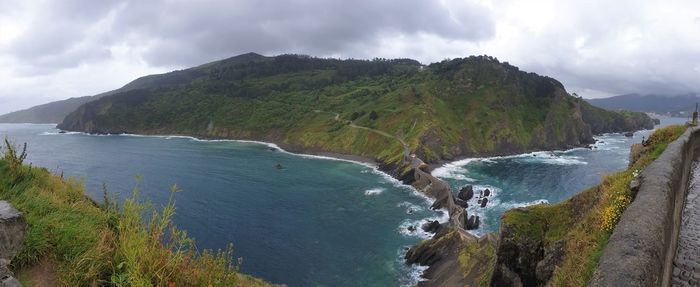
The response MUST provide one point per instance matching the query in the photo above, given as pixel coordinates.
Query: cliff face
(447, 110)
(560, 244)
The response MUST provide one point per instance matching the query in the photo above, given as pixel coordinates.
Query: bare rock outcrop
(13, 228)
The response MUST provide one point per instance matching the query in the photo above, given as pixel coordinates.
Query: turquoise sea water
(315, 222)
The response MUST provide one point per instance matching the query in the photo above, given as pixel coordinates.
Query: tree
(373, 115)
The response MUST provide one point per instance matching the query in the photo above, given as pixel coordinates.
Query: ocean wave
(511, 205)
(59, 133)
(457, 169)
(550, 158)
(454, 170)
(410, 207)
(418, 224)
(412, 273)
(374, 191)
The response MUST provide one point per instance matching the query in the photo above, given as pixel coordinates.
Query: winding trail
(407, 150)
(424, 181)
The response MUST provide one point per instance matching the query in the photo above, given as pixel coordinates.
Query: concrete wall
(640, 250)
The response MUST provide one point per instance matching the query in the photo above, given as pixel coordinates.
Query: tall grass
(135, 244)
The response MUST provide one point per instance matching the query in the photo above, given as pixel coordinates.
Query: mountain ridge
(456, 108)
(677, 106)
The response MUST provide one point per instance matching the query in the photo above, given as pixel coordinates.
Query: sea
(306, 220)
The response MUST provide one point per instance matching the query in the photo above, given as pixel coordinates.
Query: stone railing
(641, 249)
(13, 228)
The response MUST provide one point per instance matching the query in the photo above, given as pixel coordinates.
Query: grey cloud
(185, 33)
(195, 33)
(169, 34)
(57, 37)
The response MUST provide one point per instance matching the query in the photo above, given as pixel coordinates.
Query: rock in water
(411, 228)
(487, 192)
(472, 223)
(461, 203)
(484, 201)
(432, 226)
(629, 134)
(13, 228)
(466, 193)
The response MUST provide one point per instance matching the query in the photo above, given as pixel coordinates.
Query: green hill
(455, 108)
(52, 112)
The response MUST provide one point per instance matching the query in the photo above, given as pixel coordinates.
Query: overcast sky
(51, 50)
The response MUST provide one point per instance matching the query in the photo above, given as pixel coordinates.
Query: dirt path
(42, 274)
(407, 150)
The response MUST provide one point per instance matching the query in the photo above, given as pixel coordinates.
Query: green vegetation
(460, 107)
(586, 221)
(477, 259)
(105, 245)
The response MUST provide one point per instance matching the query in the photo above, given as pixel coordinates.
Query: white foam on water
(511, 205)
(58, 133)
(374, 191)
(413, 273)
(410, 207)
(418, 224)
(454, 170)
(550, 158)
(457, 169)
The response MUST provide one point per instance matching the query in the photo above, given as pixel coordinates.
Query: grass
(586, 221)
(103, 244)
(476, 260)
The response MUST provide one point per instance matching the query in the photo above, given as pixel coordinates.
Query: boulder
(13, 228)
(411, 228)
(634, 185)
(461, 203)
(472, 223)
(466, 193)
(484, 201)
(487, 192)
(431, 226)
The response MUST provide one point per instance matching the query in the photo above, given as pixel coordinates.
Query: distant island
(673, 106)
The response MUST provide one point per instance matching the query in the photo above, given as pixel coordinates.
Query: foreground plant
(87, 244)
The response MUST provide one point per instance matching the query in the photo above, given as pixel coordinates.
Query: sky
(54, 49)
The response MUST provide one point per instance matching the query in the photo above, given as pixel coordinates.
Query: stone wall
(13, 228)
(641, 249)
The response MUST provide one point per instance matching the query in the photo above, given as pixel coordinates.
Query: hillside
(678, 106)
(454, 108)
(55, 112)
(52, 112)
